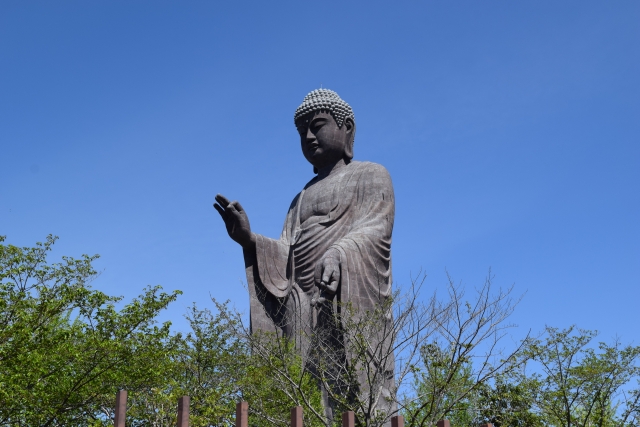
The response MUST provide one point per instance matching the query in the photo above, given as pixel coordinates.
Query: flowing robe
(353, 214)
(350, 211)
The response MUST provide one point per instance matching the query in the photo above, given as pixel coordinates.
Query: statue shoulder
(373, 171)
(294, 202)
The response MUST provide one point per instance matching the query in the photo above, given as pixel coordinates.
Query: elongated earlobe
(348, 152)
(351, 132)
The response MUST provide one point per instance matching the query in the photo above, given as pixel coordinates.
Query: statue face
(323, 142)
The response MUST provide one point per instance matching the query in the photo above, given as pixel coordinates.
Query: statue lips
(313, 147)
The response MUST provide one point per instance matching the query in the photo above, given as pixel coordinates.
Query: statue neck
(331, 168)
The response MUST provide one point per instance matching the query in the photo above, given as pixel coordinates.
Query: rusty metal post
(444, 423)
(242, 414)
(348, 419)
(121, 408)
(296, 416)
(183, 411)
(398, 421)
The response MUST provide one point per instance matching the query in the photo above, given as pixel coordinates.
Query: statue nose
(310, 135)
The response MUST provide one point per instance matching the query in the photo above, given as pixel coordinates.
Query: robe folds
(353, 214)
(349, 212)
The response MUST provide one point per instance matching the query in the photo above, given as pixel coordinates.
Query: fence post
(121, 408)
(242, 414)
(398, 421)
(183, 411)
(444, 423)
(296, 416)
(348, 419)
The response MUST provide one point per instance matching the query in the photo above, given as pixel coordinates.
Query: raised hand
(236, 220)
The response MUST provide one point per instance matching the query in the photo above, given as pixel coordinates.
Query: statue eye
(317, 124)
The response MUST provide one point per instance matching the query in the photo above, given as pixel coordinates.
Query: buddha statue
(335, 246)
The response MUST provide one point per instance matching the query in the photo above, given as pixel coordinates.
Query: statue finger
(317, 274)
(238, 206)
(224, 202)
(232, 209)
(220, 210)
(333, 286)
(326, 276)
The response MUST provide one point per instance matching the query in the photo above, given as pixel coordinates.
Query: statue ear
(350, 130)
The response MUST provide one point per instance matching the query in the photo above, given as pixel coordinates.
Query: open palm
(236, 220)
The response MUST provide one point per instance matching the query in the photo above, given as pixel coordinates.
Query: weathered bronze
(335, 247)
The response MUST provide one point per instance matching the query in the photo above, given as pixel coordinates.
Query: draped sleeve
(268, 275)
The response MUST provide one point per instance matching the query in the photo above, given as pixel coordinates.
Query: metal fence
(242, 414)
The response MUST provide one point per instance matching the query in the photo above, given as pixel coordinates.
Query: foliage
(64, 348)
(580, 385)
(349, 356)
(279, 382)
(509, 401)
(216, 368)
(463, 359)
(206, 364)
(443, 390)
(558, 380)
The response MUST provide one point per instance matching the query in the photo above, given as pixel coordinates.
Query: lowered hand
(327, 276)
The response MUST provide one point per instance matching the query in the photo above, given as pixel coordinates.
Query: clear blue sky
(511, 131)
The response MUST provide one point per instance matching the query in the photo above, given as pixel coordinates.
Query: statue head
(327, 128)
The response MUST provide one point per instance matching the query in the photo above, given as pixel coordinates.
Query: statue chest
(318, 200)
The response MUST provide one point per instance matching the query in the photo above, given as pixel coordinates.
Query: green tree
(510, 401)
(446, 390)
(208, 363)
(274, 384)
(463, 359)
(64, 348)
(584, 386)
(216, 367)
(335, 359)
